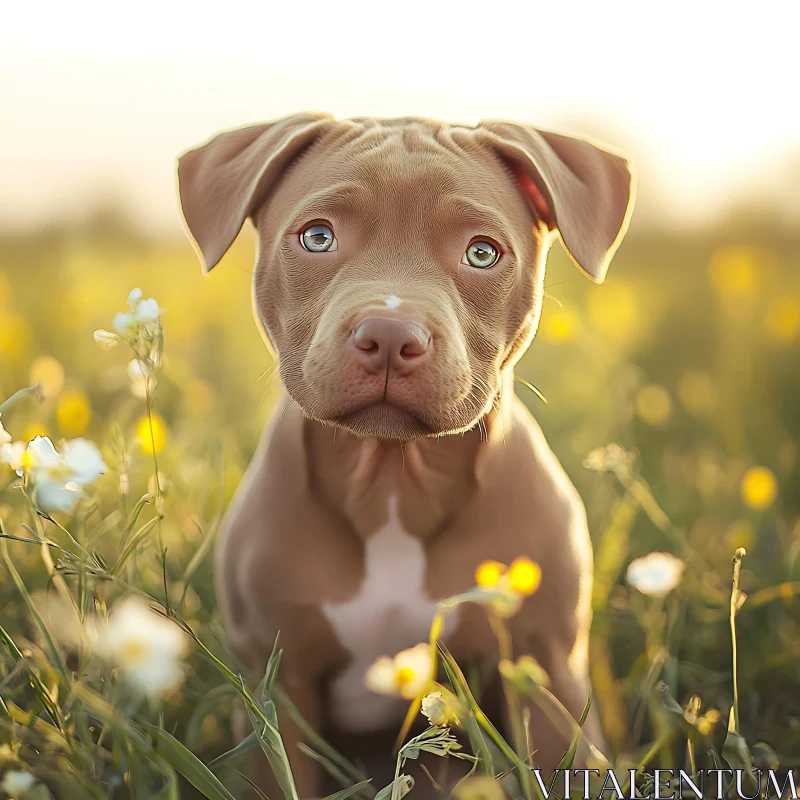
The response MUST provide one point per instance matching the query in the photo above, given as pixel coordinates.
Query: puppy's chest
(390, 612)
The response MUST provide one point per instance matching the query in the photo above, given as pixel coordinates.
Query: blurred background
(688, 354)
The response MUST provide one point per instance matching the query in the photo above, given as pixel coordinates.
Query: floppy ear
(223, 182)
(584, 191)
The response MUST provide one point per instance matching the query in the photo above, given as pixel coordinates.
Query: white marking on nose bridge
(392, 301)
(390, 612)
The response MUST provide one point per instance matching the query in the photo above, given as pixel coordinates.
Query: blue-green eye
(481, 254)
(318, 238)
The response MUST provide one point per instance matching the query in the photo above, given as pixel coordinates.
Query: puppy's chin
(387, 421)
(384, 421)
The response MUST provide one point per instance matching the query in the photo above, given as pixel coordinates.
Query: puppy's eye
(481, 255)
(318, 238)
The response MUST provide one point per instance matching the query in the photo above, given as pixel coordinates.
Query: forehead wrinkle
(469, 209)
(342, 196)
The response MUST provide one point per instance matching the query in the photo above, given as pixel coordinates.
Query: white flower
(435, 708)
(148, 310)
(656, 574)
(16, 783)
(59, 479)
(407, 674)
(147, 647)
(5, 436)
(106, 338)
(13, 455)
(143, 316)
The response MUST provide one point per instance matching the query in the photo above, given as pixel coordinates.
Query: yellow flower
(783, 319)
(151, 441)
(560, 325)
(406, 675)
(15, 336)
(506, 587)
(759, 488)
(49, 374)
(733, 271)
(653, 404)
(33, 430)
(524, 576)
(488, 574)
(73, 412)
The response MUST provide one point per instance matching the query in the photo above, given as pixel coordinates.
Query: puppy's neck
(428, 481)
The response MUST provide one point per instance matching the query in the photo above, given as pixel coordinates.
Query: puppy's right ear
(223, 182)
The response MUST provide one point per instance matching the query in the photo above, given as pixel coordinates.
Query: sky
(97, 98)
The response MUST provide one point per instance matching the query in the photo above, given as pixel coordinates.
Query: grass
(706, 676)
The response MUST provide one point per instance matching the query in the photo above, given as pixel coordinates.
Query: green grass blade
(187, 763)
(269, 739)
(349, 792)
(569, 757)
(235, 753)
(130, 548)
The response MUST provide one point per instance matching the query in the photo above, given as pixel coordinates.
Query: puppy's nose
(396, 344)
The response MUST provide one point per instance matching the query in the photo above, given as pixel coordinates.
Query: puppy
(399, 279)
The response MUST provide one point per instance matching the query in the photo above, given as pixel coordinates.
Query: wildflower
(59, 479)
(611, 458)
(152, 434)
(524, 576)
(106, 339)
(656, 574)
(489, 573)
(561, 325)
(407, 674)
(759, 488)
(146, 647)
(143, 317)
(13, 455)
(506, 587)
(73, 412)
(16, 783)
(441, 709)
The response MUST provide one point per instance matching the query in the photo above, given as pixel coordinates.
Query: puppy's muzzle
(390, 346)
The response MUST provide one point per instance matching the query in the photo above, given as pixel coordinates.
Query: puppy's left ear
(224, 181)
(584, 191)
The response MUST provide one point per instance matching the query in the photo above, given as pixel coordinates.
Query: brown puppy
(399, 279)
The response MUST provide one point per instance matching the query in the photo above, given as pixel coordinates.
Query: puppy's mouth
(384, 420)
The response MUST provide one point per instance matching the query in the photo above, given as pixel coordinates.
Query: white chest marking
(390, 613)
(392, 301)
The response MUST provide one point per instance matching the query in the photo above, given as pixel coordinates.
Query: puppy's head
(401, 262)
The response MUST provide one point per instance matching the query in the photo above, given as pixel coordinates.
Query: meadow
(685, 361)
